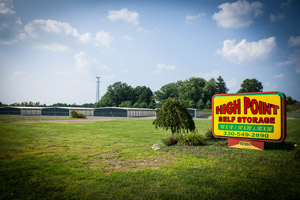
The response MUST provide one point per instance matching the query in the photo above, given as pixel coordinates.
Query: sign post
(249, 120)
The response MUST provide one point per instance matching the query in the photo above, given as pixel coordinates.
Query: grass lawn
(114, 160)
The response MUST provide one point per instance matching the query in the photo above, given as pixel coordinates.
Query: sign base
(246, 144)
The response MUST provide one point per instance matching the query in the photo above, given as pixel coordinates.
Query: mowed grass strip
(114, 160)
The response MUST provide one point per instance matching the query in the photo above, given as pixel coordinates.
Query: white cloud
(85, 38)
(238, 14)
(10, 24)
(294, 41)
(142, 30)
(208, 75)
(50, 26)
(126, 37)
(85, 63)
(231, 83)
(189, 18)
(38, 28)
(125, 15)
(103, 37)
(284, 63)
(294, 59)
(279, 76)
(163, 67)
(82, 64)
(286, 4)
(6, 8)
(247, 51)
(277, 18)
(52, 47)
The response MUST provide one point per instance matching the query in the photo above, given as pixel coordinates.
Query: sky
(52, 50)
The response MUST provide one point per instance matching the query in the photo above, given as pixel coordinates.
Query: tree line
(196, 92)
(38, 104)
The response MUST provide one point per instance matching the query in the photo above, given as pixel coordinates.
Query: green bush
(75, 114)
(191, 139)
(174, 115)
(293, 107)
(209, 135)
(170, 141)
(297, 154)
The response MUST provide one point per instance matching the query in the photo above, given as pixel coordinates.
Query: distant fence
(293, 114)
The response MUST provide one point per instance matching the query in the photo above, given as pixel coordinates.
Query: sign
(249, 116)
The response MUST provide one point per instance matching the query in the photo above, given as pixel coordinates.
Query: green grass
(14, 118)
(114, 160)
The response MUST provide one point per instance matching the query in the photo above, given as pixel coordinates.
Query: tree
(192, 90)
(3, 104)
(174, 115)
(144, 96)
(251, 85)
(208, 104)
(87, 105)
(210, 89)
(200, 104)
(221, 86)
(126, 104)
(116, 94)
(290, 100)
(170, 90)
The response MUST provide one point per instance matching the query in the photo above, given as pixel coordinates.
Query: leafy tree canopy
(251, 85)
(221, 86)
(195, 92)
(123, 95)
(290, 100)
(170, 90)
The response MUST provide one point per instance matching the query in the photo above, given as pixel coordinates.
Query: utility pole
(98, 89)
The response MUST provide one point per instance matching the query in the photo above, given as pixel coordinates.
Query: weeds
(75, 114)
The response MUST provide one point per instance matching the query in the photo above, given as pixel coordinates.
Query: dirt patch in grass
(191, 150)
(62, 121)
(122, 165)
(112, 162)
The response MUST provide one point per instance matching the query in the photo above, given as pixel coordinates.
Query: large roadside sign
(246, 117)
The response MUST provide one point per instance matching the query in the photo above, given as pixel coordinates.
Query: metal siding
(141, 113)
(198, 113)
(110, 112)
(55, 112)
(191, 112)
(10, 111)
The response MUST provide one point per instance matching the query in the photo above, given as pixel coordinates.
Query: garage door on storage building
(195, 113)
(110, 112)
(30, 111)
(141, 112)
(10, 111)
(55, 111)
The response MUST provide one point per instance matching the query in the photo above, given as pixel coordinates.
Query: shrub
(75, 114)
(174, 115)
(209, 134)
(191, 139)
(297, 154)
(172, 140)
